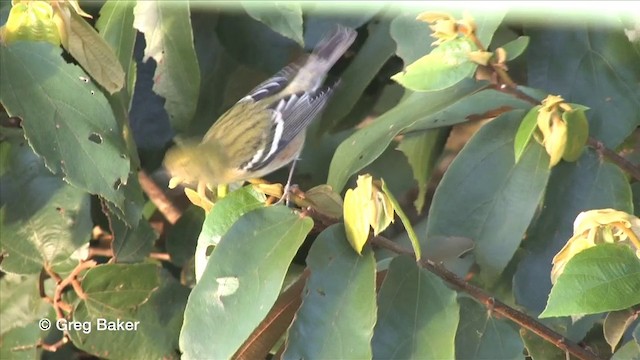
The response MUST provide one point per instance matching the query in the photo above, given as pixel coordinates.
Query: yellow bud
(556, 142)
(433, 16)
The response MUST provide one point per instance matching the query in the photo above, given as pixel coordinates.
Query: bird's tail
(334, 45)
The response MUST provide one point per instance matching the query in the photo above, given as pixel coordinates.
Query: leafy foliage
(454, 121)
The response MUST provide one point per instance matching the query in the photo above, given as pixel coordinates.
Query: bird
(265, 130)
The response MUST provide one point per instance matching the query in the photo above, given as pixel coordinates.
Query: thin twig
(159, 198)
(492, 303)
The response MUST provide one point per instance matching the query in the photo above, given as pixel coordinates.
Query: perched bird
(264, 130)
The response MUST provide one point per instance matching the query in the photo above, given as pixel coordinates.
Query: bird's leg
(286, 193)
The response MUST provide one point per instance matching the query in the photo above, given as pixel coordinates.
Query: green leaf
(482, 336)
(516, 47)
(169, 41)
(411, 37)
(182, 237)
(417, 315)
(241, 281)
(628, 351)
(422, 151)
(111, 288)
(224, 214)
(282, 17)
(367, 144)
(577, 134)
(131, 244)
(20, 302)
(487, 197)
(255, 45)
(153, 330)
(94, 54)
(363, 68)
(445, 66)
(115, 25)
(602, 278)
(479, 105)
(540, 349)
(601, 73)
(66, 118)
(528, 126)
(43, 219)
(415, 242)
(20, 342)
(338, 302)
(586, 184)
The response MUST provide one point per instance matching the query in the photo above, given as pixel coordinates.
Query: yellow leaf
(356, 218)
(556, 142)
(31, 21)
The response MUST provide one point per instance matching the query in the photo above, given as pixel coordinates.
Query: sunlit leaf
(242, 279)
(169, 41)
(442, 68)
(603, 278)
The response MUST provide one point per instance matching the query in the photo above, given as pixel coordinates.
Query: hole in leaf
(117, 184)
(96, 138)
(209, 250)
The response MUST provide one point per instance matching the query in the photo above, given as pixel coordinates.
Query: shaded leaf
(573, 187)
(577, 134)
(540, 349)
(94, 54)
(482, 336)
(602, 73)
(131, 244)
(153, 327)
(43, 219)
(169, 40)
(481, 195)
(282, 17)
(66, 119)
(417, 314)
(628, 351)
(363, 68)
(422, 152)
(182, 237)
(112, 288)
(516, 47)
(368, 143)
(602, 278)
(242, 280)
(615, 325)
(338, 302)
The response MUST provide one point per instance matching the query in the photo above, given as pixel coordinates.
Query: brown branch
(492, 303)
(615, 158)
(159, 198)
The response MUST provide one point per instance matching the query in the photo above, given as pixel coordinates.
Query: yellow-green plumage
(265, 130)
